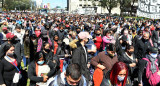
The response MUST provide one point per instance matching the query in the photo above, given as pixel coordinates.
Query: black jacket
(32, 73)
(124, 58)
(18, 50)
(79, 57)
(52, 33)
(61, 51)
(61, 35)
(141, 48)
(154, 36)
(7, 71)
(119, 49)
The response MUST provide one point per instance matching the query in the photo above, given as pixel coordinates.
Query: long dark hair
(26, 38)
(38, 55)
(6, 48)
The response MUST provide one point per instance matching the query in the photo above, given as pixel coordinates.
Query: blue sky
(54, 3)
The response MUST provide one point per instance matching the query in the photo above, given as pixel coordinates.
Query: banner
(149, 9)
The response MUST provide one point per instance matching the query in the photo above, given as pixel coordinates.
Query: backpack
(153, 78)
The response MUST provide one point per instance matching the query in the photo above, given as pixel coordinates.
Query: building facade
(87, 6)
(38, 3)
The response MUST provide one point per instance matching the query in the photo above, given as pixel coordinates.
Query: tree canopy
(18, 4)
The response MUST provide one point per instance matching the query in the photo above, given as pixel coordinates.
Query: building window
(80, 5)
(84, 5)
(84, 0)
(89, 5)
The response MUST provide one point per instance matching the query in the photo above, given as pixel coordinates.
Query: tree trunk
(120, 10)
(109, 10)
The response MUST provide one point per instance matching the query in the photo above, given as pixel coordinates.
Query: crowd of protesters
(78, 50)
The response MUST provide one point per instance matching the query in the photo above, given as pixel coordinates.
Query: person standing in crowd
(97, 38)
(118, 76)
(125, 32)
(107, 39)
(40, 70)
(4, 24)
(64, 54)
(71, 77)
(121, 45)
(61, 33)
(48, 53)
(142, 46)
(27, 46)
(148, 73)
(14, 41)
(33, 46)
(44, 38)
(73, 36)
(18, 32)
(106, 59)
(3, 35)
(154, 36)
(9, 67)
(52, 32)
(80, 54)
(128, 57)
(55, 43)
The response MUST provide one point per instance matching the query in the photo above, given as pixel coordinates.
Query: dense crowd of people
(78, 50)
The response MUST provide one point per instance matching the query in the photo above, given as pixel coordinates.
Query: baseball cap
(153, 50)
(4, 28)
(9, 35)
(83, 35)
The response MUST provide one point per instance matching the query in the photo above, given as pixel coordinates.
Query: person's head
(146, 28)
(18, 29)
(10, 37)
(73, 74)
(26, 32)
(129, 49)
(98, 32)
(153, 52)
(108, 33)
(119, 73)
(140, 33)
(9, 50)
(56, 38)
(5, 30)
(46, 47)
(134, 31)
(61, 28)
(44, 34)
(74, 34)
(78, 30)
(125, 32)
(84, 37)
(146, 36)
(124, 40)
(111, 50)
(4, 22)
(39, 58)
